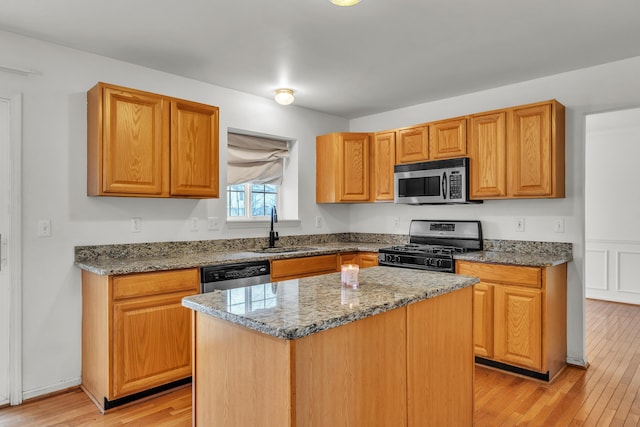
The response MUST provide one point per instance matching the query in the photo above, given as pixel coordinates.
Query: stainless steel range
(432, 245)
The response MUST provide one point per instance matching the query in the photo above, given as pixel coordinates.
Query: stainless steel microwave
(434, 182)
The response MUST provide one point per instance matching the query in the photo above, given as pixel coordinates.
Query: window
(259, 202)
(255, 171)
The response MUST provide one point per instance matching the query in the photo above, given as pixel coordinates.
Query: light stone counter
(293, 309)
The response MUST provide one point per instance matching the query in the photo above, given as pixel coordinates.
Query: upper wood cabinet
(343, 167)
(518, 152)
(448, 138)
(536, 150)
(412, 144)
(141, 144)
(488, 155)
(384, 157)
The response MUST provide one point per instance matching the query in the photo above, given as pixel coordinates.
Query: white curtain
(254, 159)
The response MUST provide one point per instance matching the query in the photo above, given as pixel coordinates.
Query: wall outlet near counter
(558, 225)
(194, 223)
(318, 221)
(136, 224)
(213, 223)
(519, 224)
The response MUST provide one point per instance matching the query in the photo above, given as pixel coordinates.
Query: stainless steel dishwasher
(230, 276)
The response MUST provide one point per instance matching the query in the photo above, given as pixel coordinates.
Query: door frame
(14, 247)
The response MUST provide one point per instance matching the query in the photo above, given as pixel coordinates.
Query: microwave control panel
(455, 185)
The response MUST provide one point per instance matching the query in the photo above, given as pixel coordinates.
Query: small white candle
(349, 275)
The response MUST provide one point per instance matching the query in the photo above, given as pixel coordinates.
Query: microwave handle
(444, 185)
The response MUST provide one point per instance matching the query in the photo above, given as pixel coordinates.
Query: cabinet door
(518, 326)
(412, 144)
(488, 155)
(384, 157)
(152, 343)
(194, 149)
(530, 151)
(354, 167)
(135, 152)
(351, 258)
(483, 319)
(367, 259)
(293, 268)
(448, 139)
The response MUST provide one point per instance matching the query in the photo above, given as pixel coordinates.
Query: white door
(5, 290)
(10, 254)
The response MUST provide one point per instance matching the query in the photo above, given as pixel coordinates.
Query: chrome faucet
(273, 235)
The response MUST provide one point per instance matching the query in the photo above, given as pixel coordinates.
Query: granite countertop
(293, 309)
(522, 253)
(514, 258)
(105, 265)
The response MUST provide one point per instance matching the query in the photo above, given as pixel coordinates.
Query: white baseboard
(40, 391)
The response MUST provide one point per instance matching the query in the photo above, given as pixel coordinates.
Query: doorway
(10, 258)
(612, 203)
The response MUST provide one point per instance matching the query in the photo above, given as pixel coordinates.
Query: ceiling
(351, 62)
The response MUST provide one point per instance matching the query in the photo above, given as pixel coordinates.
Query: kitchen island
(397, 351)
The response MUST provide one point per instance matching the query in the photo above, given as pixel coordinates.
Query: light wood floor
(606, 394)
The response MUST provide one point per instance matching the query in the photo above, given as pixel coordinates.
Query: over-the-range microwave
(434, 182)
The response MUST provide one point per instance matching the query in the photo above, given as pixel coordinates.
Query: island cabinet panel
(448, 138)
(412, 144)
(528, 321)
(440, 360)
(343, 167)
(384, 158)
(353, 375)
(135, 333)
(242, 377)
(141, 144)
(294, 268)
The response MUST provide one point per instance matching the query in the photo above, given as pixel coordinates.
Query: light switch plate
(519, 224)
(44, 228)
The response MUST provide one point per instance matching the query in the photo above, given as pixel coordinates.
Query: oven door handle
(444, 185)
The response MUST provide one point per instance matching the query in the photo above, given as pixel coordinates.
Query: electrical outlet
(396, 222)
(194, 223)
(136, 225)
(558, 225)
(44, 228)
(519, 224)
(318, 221)
(213, 223)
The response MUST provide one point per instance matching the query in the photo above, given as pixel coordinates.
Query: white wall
(612, 261)
(54, 185)
(606, 87)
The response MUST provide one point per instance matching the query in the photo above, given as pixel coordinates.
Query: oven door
(421, 186)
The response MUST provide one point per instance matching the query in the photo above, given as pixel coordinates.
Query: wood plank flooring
(606, 394)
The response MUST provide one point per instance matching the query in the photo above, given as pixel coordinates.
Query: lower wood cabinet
(136, 335)
(519, 316)
(295, 268)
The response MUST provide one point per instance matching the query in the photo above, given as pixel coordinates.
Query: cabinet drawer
(495, 273)
(145, 284)
(301, 267)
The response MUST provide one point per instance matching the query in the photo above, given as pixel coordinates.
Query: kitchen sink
(278, 250)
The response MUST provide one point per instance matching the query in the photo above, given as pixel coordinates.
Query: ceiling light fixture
(345, 2)
(284, 96)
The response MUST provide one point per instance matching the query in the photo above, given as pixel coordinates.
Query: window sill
(260, 223)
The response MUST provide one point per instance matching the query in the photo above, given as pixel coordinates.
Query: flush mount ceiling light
(345, 2)
(284, 96)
